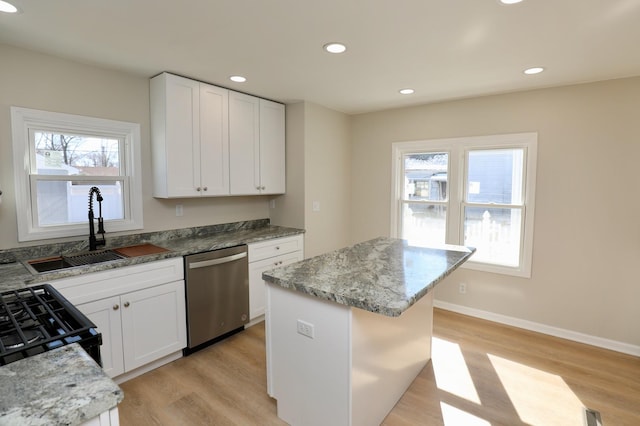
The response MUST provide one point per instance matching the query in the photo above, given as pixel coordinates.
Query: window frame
(24, 121)
(458, 149)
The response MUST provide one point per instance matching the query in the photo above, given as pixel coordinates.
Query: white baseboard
(148, 367)
(256, 320)
(541, 328)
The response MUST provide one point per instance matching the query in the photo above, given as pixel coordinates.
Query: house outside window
(475, 191)
(59, 157)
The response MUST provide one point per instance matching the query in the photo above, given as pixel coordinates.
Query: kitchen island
(348, 331)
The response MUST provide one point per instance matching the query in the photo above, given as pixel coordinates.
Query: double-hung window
(59, 157)
(475, 191)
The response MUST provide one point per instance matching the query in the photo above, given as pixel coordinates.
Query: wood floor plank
(482, 373)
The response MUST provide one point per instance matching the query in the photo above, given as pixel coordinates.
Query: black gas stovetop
(38, 319)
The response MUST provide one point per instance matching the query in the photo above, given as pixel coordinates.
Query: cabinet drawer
(100, 285)
(276, 247)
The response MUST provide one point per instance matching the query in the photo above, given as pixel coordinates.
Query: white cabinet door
(214, 140)
(257, 301)
(105, 314)
(175, 116)
(153, 323)
(244, 144)
(272, 147)
(189, 137)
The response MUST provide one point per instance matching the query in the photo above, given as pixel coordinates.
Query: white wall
(33, 80)
(587, 228)
(327, 177)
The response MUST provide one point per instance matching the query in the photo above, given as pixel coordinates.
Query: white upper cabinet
(257, 145)
(189, 138)
(214, 140)
(272, 147)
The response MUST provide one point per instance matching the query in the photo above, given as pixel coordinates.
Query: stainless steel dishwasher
(217, 292)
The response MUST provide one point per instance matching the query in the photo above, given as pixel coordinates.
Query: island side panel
(388, 354)
(309, 377)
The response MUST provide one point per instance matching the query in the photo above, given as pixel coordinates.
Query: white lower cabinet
(139, 310)
(105, 314)
(153, 323)
(107, 418)
(139, 327)
(265, 256)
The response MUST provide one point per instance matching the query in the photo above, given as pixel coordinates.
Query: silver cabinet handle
(205, 263)
(198, 189)
(205, 188)
(116, 307)
(277, 247)
(126, 304)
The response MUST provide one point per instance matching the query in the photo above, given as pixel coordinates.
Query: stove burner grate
(37, 319)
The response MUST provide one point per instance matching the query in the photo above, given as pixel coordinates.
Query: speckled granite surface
(180, 242)
(60, 387)
(383, 275)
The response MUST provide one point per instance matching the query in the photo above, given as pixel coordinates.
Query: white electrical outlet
(315, 206)
(179, 210)
(305, 328)
(463, 288)
(273, 203)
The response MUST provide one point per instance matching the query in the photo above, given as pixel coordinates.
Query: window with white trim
(59, 157)
(473, 191)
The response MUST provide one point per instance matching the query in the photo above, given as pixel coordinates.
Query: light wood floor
(482, 373)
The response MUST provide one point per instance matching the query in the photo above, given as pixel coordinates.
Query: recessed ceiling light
(534, 70)
(510, 1)
(406, 91)
(7, 7)
(238, 78)
(335, 47)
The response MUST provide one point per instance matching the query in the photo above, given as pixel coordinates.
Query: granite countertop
(65, 386)
(60, 387)
(180, 242)
(383, 275)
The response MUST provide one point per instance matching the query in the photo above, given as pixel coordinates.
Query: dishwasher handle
(226, 259)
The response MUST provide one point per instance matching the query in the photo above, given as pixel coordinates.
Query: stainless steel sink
(50, 264)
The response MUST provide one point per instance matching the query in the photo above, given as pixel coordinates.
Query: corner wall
(587, 228)
(288, 209)
(318, 170)
(327, 179)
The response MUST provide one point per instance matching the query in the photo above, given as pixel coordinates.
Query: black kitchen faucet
(93, 242)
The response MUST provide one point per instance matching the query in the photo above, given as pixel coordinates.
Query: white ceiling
(445, 49)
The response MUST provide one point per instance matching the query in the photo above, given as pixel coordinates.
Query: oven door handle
(212, 262)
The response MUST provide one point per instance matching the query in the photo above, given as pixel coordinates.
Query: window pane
(425, 176)
(63, 202)
(66, 154)
(495, 176)
(495, 233)
(424, 224)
